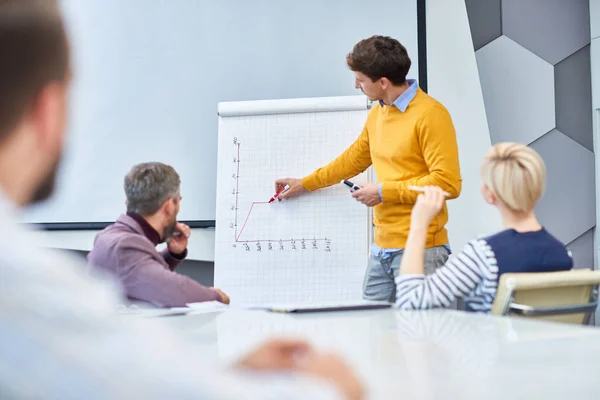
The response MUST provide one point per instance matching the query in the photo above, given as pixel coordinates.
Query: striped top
(473, 274)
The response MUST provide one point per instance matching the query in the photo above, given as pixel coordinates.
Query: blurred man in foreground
(60, 336)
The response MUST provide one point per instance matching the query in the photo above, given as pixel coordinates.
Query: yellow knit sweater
(415, 147)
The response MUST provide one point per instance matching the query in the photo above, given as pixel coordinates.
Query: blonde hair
(516, 174)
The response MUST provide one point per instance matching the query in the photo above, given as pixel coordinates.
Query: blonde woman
(513, 180)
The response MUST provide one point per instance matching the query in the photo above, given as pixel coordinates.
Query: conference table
(434, 354)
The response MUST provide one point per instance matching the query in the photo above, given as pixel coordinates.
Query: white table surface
(437, 354)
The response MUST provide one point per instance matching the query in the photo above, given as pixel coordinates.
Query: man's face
(46, 189)
(168, 233)
(372, 90)
(55, 110)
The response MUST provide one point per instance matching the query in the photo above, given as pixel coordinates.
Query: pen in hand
(276, 195)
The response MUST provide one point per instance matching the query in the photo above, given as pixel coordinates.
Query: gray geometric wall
(533, 58)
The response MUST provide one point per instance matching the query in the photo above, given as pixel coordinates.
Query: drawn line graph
(238, 235)
(248, 217)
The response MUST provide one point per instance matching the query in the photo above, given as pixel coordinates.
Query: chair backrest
(567, 296)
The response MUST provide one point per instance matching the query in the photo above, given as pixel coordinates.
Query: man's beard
(168, 232)
(46, 188)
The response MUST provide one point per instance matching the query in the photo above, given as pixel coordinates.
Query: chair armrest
(528, 311)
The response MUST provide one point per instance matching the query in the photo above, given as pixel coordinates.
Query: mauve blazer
(123, 250)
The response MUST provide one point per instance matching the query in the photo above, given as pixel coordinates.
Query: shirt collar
(149, 231)
(401, 103)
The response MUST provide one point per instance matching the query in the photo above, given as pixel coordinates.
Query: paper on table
(316, 305)
(163, 312)
(207, 307)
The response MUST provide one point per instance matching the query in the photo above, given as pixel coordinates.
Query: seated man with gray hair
(127, 248)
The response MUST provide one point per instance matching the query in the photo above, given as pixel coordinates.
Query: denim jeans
(379, 282)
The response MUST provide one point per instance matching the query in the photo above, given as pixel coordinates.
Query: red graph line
(248, 217)
(237, 192)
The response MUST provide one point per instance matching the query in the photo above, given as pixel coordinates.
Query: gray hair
(149, 185)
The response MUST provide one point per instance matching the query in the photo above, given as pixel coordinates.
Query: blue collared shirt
(401, 103)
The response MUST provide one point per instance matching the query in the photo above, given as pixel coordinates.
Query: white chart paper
(311, 248)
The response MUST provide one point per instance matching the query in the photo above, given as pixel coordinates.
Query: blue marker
(351, 185)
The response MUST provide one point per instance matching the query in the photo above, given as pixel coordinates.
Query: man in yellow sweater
(410, 140)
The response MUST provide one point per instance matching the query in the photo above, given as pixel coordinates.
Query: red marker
(276, 195)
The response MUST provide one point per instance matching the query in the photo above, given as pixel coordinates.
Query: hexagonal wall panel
(518, 91)
(485, 20)
(568, 208)
(573, 90)
(582, 249)
(552, 29)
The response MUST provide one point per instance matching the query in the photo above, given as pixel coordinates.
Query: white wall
(595, 18)
(454, 81)
(595, 60)
(148, 75)
(274, 51)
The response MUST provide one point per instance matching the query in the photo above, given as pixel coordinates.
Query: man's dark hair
(33, 53)
(380, 57)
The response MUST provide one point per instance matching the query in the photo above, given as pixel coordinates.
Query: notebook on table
(325, 306)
